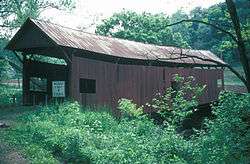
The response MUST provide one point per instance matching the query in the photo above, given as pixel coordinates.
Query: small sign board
(58, 88)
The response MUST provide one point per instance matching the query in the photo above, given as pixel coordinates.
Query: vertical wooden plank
(25, 86)
(71, 78)
(139, 83)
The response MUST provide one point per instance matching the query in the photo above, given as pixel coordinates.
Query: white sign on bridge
(58, 88)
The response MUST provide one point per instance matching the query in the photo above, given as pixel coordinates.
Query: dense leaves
(13, 13)
(151, 28)
(227, 139)
(178, 101)
(68, 133)
(145, 27)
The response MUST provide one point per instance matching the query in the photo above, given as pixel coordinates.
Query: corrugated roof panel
(124, 48)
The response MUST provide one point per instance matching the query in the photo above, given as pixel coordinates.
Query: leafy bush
(176, 103)
(129, 109)
(227, 138)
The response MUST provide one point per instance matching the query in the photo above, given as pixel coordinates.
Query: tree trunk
(240, 42)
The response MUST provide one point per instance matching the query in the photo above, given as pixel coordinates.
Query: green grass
(13, 112)
(66, 132)
(11, 153)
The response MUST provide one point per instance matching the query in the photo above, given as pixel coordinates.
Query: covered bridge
(100, 70)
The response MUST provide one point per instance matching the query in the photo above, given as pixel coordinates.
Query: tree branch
(3, 25)
(12, 64)
(206, 23)
(238, 39)
(18, 57)
(210, 60)
(237, 74)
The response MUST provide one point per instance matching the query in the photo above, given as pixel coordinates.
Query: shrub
(129, 109)
(176, 103)
(173, 148)
(227, 138)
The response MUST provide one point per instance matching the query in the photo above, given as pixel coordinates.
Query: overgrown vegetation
(178, 101)
(68, 133)
(7, 94)
(227, 138)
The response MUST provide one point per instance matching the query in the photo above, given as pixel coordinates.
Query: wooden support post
(25, 85)
(70, 74)
(13, 99)
(46, 99)
(33, 100)
(18, 81)
(222, 80)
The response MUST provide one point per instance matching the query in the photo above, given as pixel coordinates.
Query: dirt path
(8, 154)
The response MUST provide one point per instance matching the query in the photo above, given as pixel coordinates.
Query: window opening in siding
(38, 84)
(87, 86)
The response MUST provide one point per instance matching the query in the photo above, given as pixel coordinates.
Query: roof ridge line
(104, 36)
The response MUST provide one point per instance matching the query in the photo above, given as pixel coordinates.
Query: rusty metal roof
(121, 48)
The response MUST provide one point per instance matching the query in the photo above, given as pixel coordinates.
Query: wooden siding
(136, 82)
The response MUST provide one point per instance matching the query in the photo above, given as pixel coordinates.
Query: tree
(179, 30)
(206, 37)
(14, 12)
(244, 58)
(145, 27)
(236, 36)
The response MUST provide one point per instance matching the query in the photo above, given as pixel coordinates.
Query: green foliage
(149, 28)
(172, 148)
(130, 109)
(176, 103)
(6, 94)
(46, 59)
(227, 138)
(145, 27)
(13, 13)
(205, 37)
(231, 79)
(5, 68)
(67, 133)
